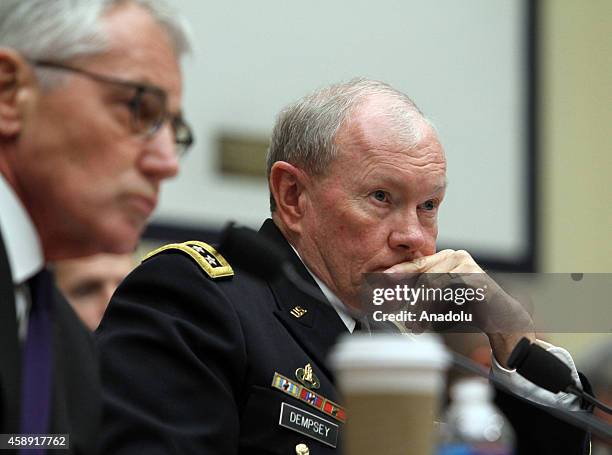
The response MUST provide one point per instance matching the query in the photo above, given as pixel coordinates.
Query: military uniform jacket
(76, 407)
(188, 362)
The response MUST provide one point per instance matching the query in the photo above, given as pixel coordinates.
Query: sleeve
(536, 431)
(529, 390)
(172, 360)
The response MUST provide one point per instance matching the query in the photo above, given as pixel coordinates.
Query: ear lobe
(287, 187)
(15, 91)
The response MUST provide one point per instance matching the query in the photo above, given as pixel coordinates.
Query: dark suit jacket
(76, 407)
(188, 361)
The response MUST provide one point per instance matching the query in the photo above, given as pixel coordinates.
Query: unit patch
(308, 424)
(309, 397)
(205, 256)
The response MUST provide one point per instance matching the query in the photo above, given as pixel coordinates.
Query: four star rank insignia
(209, 260)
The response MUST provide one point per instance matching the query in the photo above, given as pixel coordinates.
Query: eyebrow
(399, 182)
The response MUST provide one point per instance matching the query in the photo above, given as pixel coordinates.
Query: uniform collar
(348, 320)
(314, 325)
(21, 240)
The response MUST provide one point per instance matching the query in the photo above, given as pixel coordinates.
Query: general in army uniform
(200, 357)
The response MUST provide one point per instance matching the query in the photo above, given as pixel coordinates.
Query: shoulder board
(203, 254)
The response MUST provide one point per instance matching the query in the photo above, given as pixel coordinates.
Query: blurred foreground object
(473, 424)
(392, 385)
(90, 126)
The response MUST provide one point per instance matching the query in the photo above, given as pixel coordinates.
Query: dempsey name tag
(308, 424)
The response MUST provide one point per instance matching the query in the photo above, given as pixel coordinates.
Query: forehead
(100, 264)
(371, 143)
(140, 50)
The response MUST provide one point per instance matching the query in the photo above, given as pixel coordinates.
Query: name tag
(308, 424)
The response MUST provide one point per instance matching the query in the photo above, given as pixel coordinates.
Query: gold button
(302, 449)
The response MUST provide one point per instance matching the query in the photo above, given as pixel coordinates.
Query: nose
(107, 292)
(105, 296)
(159, 160)
(407, 234)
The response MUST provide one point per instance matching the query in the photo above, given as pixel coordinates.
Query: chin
(120, 238)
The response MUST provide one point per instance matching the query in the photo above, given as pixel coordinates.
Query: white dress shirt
(23, 249)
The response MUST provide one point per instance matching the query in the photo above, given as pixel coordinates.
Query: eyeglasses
(148, 106)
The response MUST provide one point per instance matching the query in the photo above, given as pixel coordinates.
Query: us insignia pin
(298, 311)
(307, 377)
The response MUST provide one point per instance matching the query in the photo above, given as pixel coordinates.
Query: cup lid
(359, 351)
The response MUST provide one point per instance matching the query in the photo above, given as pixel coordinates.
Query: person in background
(90, 126)
(88, 283)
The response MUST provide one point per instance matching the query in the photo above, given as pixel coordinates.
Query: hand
(445, 261)
(504, 320)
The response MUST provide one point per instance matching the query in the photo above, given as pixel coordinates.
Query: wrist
(502, 344)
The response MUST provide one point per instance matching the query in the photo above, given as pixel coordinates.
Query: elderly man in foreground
(90, 125)
(199, 357)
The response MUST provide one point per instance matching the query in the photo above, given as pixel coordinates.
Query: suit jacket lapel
(319, 327)
(10, 350)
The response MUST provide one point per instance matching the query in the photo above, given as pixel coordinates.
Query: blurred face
(89, 283)
(376, 207)
(88, 182)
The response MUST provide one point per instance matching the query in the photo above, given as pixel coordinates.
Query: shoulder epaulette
(209, 259)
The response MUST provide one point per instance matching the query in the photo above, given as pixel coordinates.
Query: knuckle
(463, 255)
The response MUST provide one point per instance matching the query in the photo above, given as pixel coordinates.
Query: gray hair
(61, 30)
(305, 131)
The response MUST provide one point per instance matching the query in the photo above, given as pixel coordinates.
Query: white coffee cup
(391, 385)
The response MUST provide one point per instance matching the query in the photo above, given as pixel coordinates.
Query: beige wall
(576, 122)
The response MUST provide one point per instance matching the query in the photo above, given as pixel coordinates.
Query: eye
(85, 289)
(380, 196)
(147, 110)
(429, 205)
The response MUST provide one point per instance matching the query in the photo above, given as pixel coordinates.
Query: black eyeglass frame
(183, 135)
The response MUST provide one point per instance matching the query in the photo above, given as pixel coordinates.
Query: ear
(287, 184)
(16, 89)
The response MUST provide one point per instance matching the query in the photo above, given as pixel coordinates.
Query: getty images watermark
(404, 295)
(495, 302)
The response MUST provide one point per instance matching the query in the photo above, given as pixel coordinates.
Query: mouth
(142, 204)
